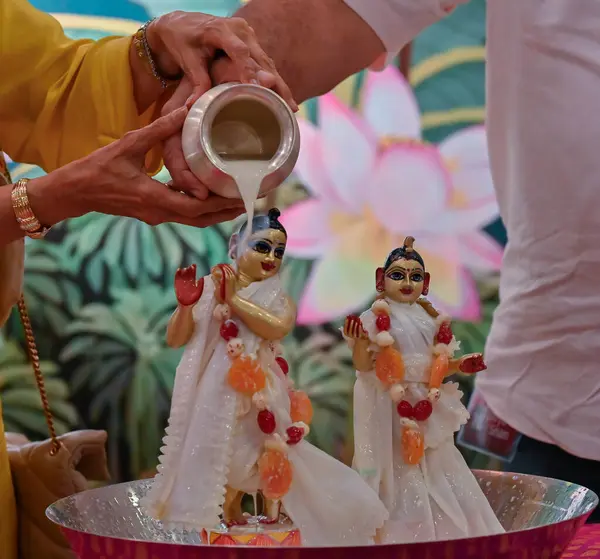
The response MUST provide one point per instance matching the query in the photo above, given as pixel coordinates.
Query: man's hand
(112, 180)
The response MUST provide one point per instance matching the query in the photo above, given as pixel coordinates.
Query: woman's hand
(188, 42)
(112, 180)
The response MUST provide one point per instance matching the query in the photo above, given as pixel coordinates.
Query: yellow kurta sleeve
(61, 99)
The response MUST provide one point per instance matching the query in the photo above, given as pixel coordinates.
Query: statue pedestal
(255, 534)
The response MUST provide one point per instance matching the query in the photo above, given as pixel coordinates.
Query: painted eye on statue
(279, 252)
(396, 276)
(262, 246)
(417, 277)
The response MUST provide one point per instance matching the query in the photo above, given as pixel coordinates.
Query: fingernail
(265, 78)
(254, 81)
(190, 101)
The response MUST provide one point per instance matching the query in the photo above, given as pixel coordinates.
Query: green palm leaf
(138, 254)
(52, 292)
(122, 368)
(21, 404)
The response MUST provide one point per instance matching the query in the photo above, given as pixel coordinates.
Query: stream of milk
(248, 175)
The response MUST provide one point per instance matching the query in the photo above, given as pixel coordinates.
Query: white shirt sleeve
(397, 22)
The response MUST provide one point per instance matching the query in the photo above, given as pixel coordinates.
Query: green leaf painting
(100, 288)
(21, 402)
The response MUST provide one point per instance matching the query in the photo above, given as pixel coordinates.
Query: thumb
(161, 129)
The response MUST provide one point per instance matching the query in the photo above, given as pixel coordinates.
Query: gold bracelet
(24, 215)
(144, 52)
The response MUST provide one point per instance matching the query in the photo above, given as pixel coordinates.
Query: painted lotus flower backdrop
(372, 181)
(380, 159)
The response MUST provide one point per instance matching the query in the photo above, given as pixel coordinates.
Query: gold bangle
(24, 215)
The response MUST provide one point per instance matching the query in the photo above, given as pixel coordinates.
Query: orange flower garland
(301, 409)
(389, 368)
(275, 471)
(247, 377)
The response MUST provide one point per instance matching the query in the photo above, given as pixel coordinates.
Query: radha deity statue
(236, 425)
(405, 417)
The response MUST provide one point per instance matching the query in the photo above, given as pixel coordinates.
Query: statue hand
(224, 278)
(353, 328)
(187, 288)
(471, 364)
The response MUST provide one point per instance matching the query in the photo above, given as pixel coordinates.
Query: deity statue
(405, 417)
(237, 426)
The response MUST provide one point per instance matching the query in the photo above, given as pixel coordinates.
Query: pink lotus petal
(339, 284)
(389, 105)
(453, 290)
(466, 155)
(409, 187)
(468, 219)
(348, 150)
(307, 224)
(310, 167)
(480, 252)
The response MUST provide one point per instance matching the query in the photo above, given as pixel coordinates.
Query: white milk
(248, 175)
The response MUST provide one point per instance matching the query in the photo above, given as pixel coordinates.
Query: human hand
(191, 44)
(188, 42)
(182, 177)
(173, 156)
(112, 180)
(187, 289)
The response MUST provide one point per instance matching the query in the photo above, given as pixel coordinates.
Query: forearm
(260, 321)
(315, 44)
(181, 326)
(362, 357)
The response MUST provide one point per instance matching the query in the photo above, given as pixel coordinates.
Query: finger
(180, 96)
(195, 65)
(181, 174)
(161, 129)
(161, 199)
(222, 37)
(205, 220)
(276, 83)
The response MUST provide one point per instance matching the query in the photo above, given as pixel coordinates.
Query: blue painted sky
(140, 10)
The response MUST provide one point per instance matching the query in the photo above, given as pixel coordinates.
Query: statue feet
(272, 511)
(232, 508)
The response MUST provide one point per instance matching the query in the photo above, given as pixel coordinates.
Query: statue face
(404, 281)
(262, 257)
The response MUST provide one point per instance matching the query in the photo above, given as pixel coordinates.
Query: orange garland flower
(413, 446)
(246, 376)
(389, 366)
(301, 409)
(275, 473)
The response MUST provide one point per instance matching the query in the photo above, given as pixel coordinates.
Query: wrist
(166, 66)
(54, 197)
